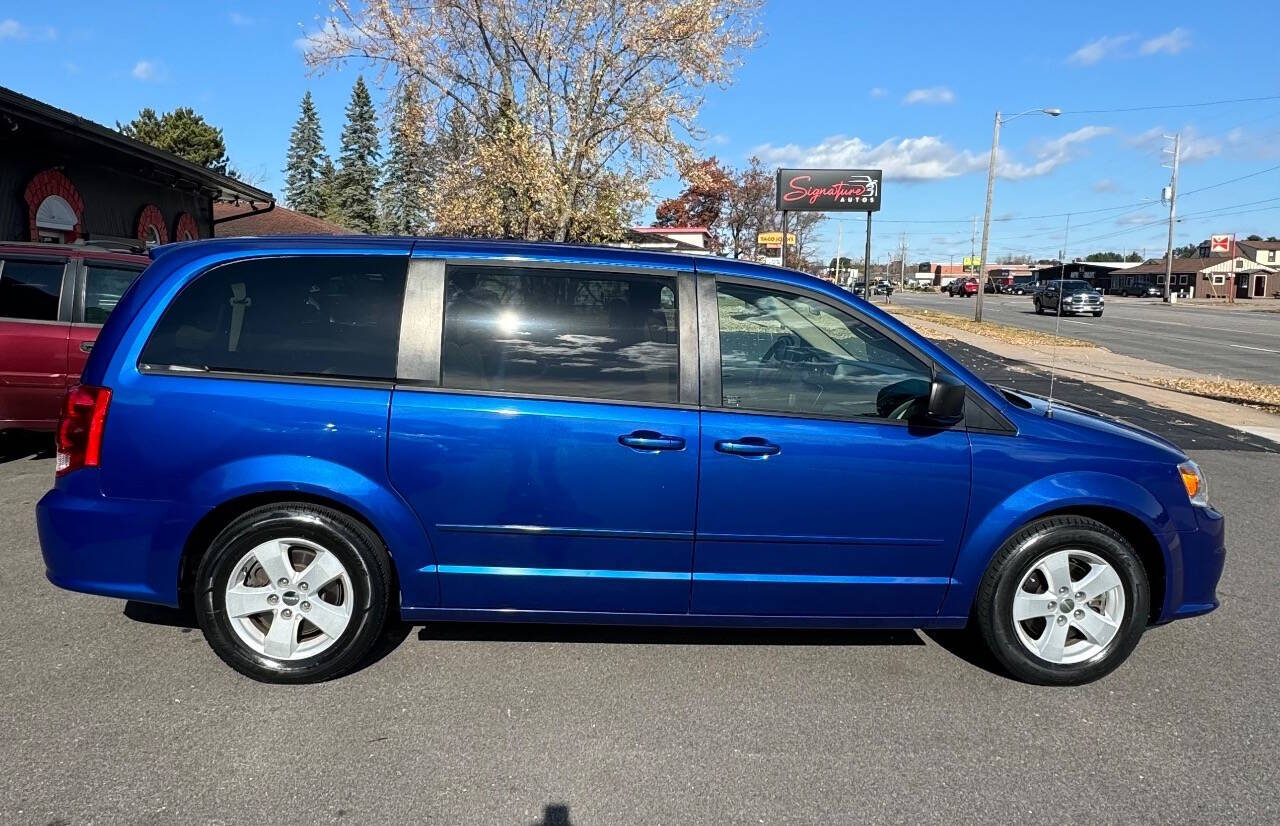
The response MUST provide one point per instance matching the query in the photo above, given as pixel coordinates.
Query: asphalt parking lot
(1233, 343)
(116, 713)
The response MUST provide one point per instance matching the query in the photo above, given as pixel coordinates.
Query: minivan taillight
(84, 413)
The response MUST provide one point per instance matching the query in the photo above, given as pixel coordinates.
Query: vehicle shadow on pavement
(639, 635)
(184, 619)
(963, 644)
(23, 444)
(554, 814)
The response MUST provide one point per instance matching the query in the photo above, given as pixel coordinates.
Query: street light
(986, 216)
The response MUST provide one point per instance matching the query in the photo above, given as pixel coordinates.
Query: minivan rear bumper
(124, 548)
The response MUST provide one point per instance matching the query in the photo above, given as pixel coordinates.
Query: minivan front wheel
(293, 593)
(1064, 602)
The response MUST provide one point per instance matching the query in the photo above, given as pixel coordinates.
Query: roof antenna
(1057, 323)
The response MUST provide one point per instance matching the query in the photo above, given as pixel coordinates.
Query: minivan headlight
(1195, 483)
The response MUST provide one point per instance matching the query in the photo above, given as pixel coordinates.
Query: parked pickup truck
(1074, 295)
(53, 300)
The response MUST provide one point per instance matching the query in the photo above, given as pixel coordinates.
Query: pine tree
(357, 180)
(327, 191)
(407, 174)
(303, 185)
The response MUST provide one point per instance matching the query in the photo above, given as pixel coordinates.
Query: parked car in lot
(1141, 290)
(1074, 296)
(1020, 288)
(966, 287)
(302, 438)
(53, 300)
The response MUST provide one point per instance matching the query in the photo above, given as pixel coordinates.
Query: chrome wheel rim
(1068, 607)
(289, 599)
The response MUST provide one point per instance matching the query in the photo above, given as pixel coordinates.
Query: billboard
(829, 190)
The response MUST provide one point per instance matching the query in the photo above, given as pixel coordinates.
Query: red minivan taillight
(84, 412)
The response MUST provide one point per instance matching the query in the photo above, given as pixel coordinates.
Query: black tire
(1097, 315)
(993, 608)
(1039, 309)
(358, 549)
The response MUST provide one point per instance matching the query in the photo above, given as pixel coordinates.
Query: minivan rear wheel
(293, 593)
(1064, 602)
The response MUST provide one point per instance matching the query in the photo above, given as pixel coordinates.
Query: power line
(1169, 106)
(1233, 180)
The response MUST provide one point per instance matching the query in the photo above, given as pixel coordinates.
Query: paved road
(1238, 344)
(120, 714)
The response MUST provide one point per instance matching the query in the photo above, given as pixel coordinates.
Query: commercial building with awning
(65, 179)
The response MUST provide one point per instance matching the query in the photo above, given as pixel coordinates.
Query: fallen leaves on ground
(1000, 332)
(1251, 393)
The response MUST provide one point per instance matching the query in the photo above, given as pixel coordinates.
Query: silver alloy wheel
(1068, 607)
(289, 599)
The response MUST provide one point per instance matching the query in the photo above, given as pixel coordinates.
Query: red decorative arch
(41, 186)
(185, 229)
(152, 217)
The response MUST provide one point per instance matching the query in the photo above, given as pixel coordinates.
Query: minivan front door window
(792, 354)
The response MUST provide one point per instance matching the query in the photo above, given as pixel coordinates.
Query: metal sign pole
(866, 262)
(782, 245)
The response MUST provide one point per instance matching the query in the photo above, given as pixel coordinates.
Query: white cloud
(719, 140)
(330, 30)
(1171, 42)
(148, 71)
(238, 19)
(1104, 185)
(1051, 154)
(11, 29)
(1197, 146)
(926, 158)
(1096, 50)
(935, 94)
(878, 92)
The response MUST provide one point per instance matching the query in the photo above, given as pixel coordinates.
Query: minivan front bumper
(1204, 553)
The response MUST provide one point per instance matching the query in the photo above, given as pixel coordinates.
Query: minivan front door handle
(748, 446)
(651, 440)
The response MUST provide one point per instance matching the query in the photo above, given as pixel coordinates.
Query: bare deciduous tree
(589, 98)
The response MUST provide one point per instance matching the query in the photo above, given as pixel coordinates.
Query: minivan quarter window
(788, 353)
(561, 332)
(312, 315)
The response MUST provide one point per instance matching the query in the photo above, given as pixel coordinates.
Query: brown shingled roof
(277, 221)
(1181, 266)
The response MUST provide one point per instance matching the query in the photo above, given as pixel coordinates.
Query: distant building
(64, 179)
(237, 220)
(1266, 253)
(689, 240)
(1210, 277)
(1107, 276)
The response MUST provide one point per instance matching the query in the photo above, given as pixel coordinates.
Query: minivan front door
(554, 461)
(820, 494)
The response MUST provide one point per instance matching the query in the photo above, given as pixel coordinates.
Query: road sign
(1220, 243)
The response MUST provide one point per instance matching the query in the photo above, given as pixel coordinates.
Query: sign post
(830, 190)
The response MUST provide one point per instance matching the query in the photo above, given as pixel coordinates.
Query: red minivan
(53, 300)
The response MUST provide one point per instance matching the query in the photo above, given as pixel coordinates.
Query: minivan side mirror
(946, 399)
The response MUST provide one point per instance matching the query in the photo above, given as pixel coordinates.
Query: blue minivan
(303, 438)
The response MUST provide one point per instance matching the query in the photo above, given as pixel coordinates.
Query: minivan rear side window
(561, 333)
(316, 315)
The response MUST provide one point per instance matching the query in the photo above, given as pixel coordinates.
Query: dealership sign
(829, 190)
(1220, 243)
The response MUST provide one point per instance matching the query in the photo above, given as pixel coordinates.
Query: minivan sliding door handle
(651, 440)
(751, 446)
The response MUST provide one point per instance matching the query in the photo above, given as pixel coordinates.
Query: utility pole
(839, 239)
(1173, 206)
(986, 219)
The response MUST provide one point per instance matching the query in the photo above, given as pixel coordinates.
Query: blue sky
(911, 87)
